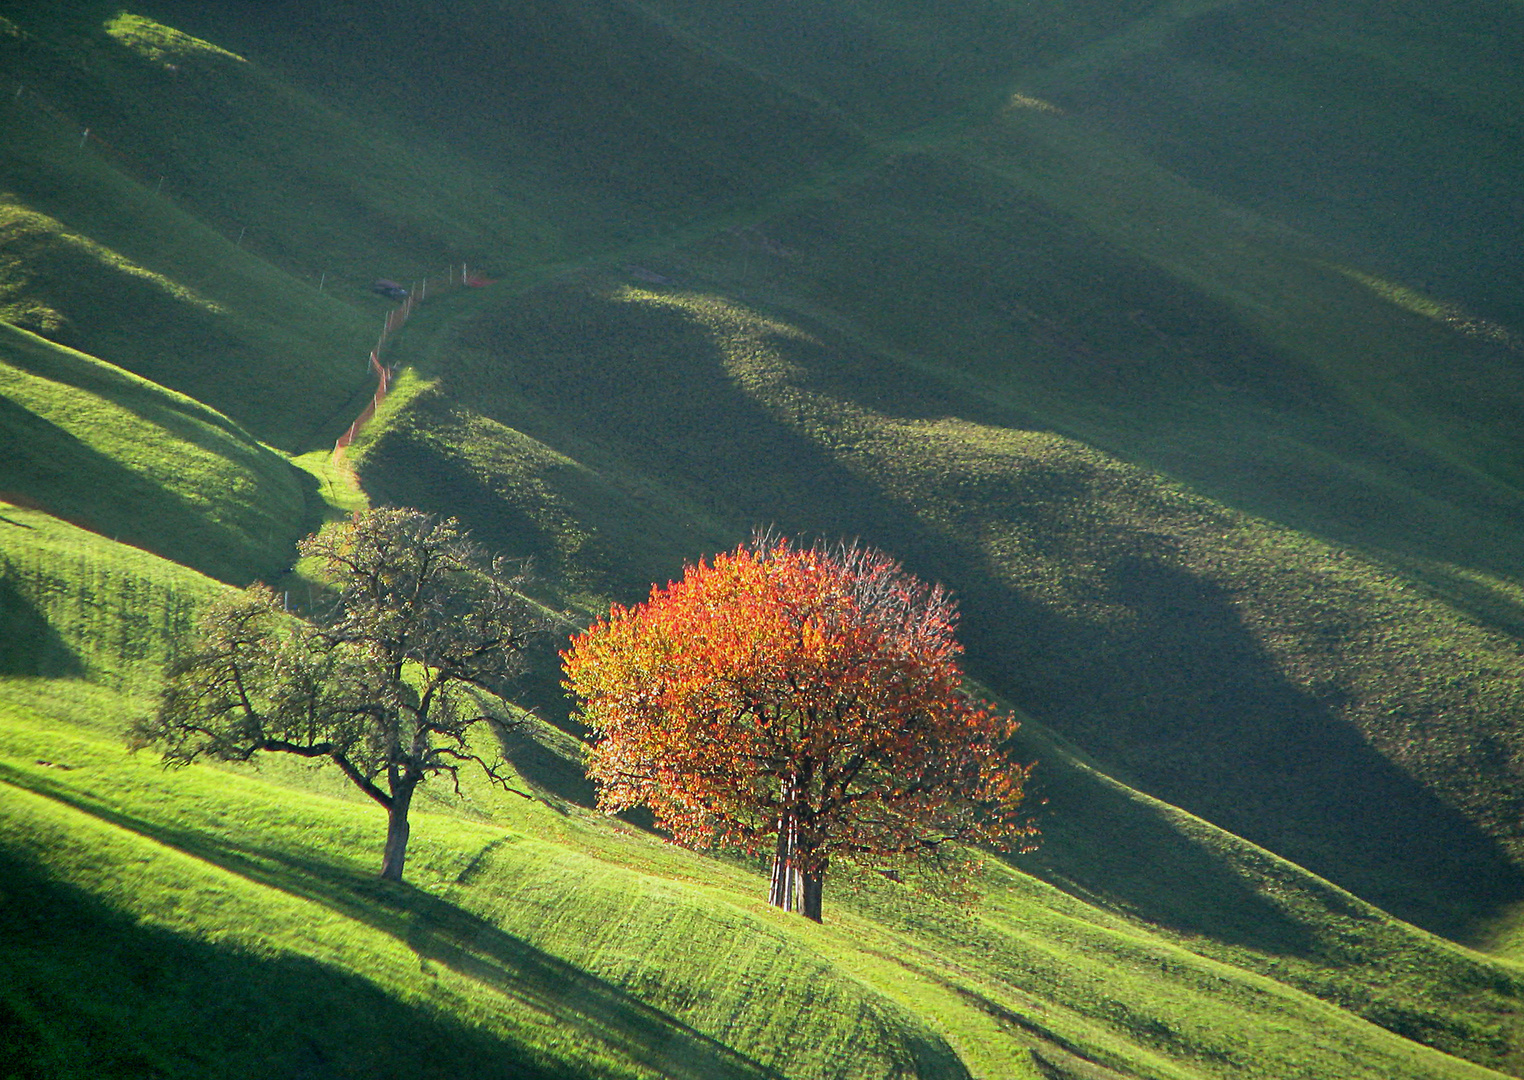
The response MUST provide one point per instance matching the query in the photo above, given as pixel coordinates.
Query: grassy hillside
(1166, 633)
(538, 941)
(95, 261)
(91, 443)
(1388, 131)
(1180, 339)
(87, 624)
(141, 866)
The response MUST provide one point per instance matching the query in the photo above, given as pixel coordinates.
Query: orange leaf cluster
(814, 689)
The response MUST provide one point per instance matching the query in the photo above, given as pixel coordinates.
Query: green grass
(224, 866)
(93, 444)
(1080, 308)
(1177, 639)
(1386, 138)
(550, 940)
(96, 262)
(81, 609)
(208, 281)
(262, 886)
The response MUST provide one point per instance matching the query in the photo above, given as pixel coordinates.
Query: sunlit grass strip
(132, 461)
(1451, 315)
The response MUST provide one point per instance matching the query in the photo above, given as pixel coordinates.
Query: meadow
(1180, 339)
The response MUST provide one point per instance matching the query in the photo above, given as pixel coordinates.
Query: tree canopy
(803, 700)
(385, 679)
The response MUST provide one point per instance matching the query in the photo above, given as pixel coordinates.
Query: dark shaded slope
(894, 64)
(542, 96)
(1391, 130)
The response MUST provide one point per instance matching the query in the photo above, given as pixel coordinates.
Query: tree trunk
(778, 889)
(396, 833)
(814, 887)
(809, 875)
(782, 892)
(795, 888)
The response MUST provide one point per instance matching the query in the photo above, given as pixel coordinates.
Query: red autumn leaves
(803, 701)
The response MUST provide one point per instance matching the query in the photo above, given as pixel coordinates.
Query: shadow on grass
(86, 990)
(645, 388)
(1175, 691)
(443, 933)
(190, 421)
(1107, 848)
(1198, 714)
(548, 770)
(28, 643)
(50, 465)
(1025, 1029)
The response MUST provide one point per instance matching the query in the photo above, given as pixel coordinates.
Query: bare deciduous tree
(384, 680)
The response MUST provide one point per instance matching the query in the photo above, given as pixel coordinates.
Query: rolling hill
(1184, 341)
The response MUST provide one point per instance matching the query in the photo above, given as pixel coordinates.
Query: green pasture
(546, 940)
(554, 942)
(1181, 340)
(93, 444)
(1174, 637)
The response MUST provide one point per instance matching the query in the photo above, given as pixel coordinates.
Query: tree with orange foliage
(803, 700)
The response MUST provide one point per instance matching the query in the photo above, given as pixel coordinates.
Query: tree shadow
(654, 1039)
(550, 772)
(444, 933)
